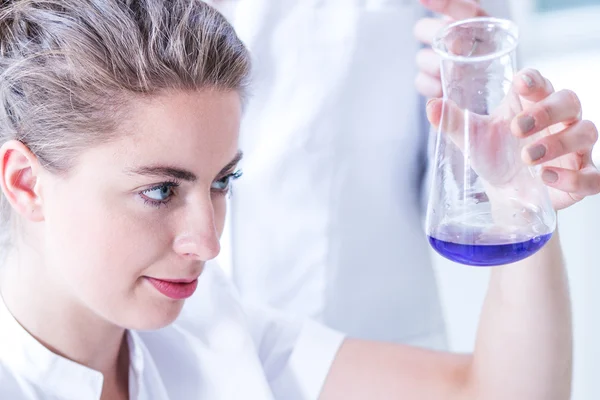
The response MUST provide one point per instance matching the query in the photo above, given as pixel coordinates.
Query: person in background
(336, 145)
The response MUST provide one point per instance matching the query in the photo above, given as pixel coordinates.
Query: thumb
(447, 117)
(450, 119)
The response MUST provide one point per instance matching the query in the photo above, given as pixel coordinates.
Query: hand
(563, 149)
(428, 62)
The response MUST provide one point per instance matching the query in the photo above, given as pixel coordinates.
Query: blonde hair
(69, 68)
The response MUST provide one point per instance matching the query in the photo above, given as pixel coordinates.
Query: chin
(149, 318)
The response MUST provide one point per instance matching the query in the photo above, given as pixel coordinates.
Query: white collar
(54, 374)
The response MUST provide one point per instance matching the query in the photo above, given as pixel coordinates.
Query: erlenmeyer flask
(486, 206)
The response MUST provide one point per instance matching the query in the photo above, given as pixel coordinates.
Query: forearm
(524, 342)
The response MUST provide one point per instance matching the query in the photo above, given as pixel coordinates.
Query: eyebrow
(234, 161)
(178, 173)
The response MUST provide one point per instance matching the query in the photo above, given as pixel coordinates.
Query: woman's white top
(216, 350)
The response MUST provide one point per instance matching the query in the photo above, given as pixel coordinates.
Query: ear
(19, 172)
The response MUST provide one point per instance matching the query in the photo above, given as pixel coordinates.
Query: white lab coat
(327, 220)
(216, 350)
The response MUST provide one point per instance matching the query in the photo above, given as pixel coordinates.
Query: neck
(56, 320)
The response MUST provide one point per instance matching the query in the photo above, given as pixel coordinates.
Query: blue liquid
(487, 255)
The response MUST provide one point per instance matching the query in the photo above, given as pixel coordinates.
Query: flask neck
(478, 86)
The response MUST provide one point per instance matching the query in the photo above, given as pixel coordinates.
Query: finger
(448, 118)
(532, 85)
(579, 137)
(457, 9)
(578, 184)
(426, 29)
(428, 85)
(562, 106)
(445, 113)
(428, 62)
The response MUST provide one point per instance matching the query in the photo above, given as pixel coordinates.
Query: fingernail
(528, 81)
(549, 176)
(526, 123)
(536, 152)
(429, 102)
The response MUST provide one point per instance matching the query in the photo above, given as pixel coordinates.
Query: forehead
(190, 129)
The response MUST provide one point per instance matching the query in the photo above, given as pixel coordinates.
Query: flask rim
(506, 25)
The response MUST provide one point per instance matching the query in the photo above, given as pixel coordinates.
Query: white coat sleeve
(296, 354)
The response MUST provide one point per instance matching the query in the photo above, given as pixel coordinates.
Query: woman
(119, 143)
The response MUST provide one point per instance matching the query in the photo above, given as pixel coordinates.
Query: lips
(177, 289)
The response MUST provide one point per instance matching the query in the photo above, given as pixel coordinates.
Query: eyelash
(158, 203)
(229, 177)
(175, 184)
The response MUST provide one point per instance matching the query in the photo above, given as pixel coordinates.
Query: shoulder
(217, 362)
(237, 347)
(209, 350)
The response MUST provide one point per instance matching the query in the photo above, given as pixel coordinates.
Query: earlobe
(19, 169)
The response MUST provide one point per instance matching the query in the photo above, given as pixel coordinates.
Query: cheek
(98, 243)
(83, 237)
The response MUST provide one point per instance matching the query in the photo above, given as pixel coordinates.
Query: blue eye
(160, 194)
(223, 185)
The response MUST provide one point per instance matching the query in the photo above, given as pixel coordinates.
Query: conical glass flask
(486, 206)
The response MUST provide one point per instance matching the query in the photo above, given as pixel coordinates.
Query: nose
(198, 238)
